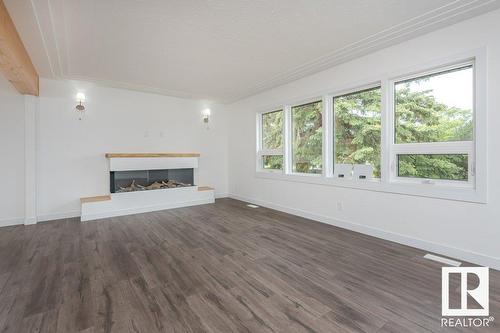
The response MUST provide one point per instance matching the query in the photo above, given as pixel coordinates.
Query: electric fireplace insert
(145, 180)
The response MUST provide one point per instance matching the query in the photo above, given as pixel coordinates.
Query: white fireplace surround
(152, 163)
(118, 204)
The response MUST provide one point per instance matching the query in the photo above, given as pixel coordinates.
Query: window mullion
(387, 130)
(287, 144)
(271, 152)
(259, 144)
(459, 147)
(328, 137)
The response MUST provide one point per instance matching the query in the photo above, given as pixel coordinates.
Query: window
(434, 122)
(272, 130)
(422, 134)
(357, 128)
(307, 138)
(435, 107)
(433, 166)
(271, 150)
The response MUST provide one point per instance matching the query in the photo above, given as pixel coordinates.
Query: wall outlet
(340, 206)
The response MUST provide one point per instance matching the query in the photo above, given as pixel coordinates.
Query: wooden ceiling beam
(15, 62)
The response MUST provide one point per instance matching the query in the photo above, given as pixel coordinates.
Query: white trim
(287, 158)
(449, 251)
(386, 134)
(271, 152)
(43, 38)
(356, 89)
(144, 209)
(399, 33)
(457, 147)
(447, 14)
(30, 158)
(327, 127)
(258, 141)
(11, 221)
(30, 220)
(221, 195)
(145, 201)
(152, 163)
(450, 65)
(481, 124)
(58, 216)
(429, 190)
(71, 214)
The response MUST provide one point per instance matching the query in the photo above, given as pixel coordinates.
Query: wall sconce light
(206, 116)
(80, 97)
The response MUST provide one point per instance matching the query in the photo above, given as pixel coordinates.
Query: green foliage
(447, 166)
(419, 118)
(273, 162)
(272, 130)
(307, 138)
(357, 129)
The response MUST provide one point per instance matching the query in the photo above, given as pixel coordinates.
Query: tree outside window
(307, 138)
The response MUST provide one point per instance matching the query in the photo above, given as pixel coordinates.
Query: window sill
(439, 191)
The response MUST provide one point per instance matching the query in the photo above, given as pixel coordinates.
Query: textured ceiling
(222, 50)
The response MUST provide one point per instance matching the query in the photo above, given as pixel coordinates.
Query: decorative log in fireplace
(155, 186)
(144, 180)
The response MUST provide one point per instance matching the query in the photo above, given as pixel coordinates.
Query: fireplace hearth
(146, 180)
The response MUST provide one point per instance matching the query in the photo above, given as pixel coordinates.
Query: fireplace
(148, 182)
(145, 180)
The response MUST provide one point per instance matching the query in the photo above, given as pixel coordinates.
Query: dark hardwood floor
(215, 268)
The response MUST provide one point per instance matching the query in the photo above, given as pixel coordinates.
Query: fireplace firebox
(144, 180)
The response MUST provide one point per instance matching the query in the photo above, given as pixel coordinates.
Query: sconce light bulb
(80, 97)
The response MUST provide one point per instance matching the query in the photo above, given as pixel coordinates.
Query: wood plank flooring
(215, 268)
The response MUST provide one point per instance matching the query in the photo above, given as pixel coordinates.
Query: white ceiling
(222, 50)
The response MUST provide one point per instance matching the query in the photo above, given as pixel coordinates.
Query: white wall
(71, 161)
(465, 230)
(11, 154)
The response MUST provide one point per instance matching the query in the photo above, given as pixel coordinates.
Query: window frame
(470, 191)
(289, 135)
(448, 147)
(261, 151)
(368, 87)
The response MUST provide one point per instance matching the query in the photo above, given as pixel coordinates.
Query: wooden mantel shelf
(138, 155)
(205, 188)
(95, 199)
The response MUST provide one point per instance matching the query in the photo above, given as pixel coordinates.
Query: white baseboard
(449, 251)
(58, 216)
(11, 221)
(144, 209)
(30, 220)
(77, 213)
